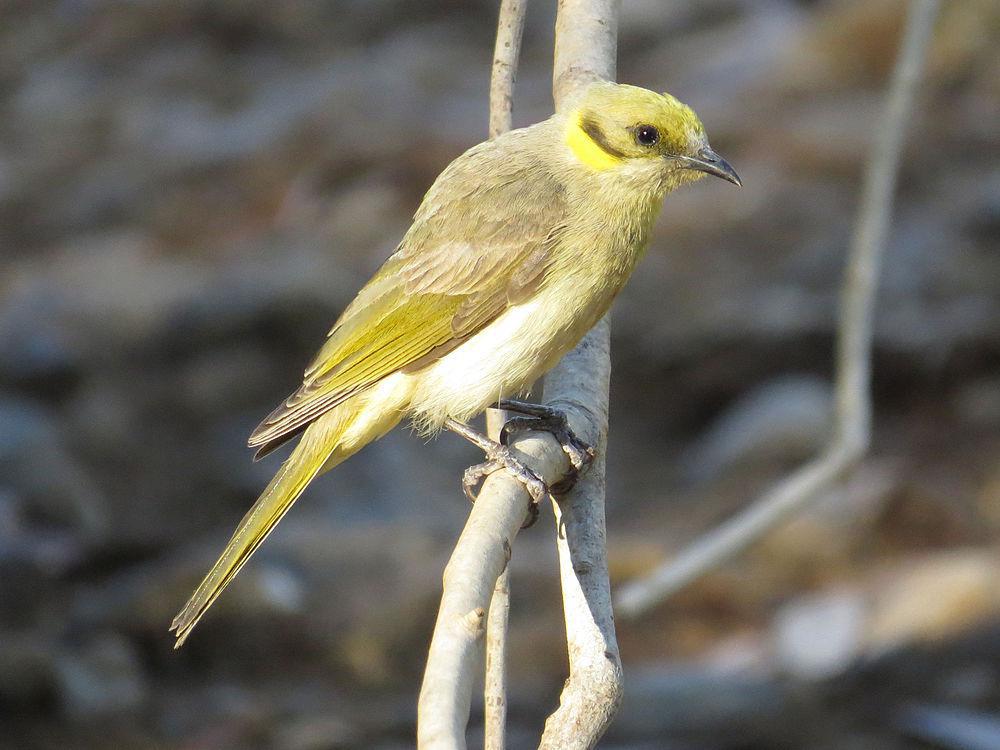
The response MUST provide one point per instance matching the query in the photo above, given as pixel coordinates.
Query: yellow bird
(518, 248)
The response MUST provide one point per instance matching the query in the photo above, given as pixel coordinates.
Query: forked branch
(586, 50)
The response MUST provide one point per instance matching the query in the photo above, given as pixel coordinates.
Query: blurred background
(191, 191)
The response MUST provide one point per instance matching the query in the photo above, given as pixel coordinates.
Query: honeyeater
(518, 248)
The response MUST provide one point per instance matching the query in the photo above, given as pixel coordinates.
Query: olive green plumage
(518, 248)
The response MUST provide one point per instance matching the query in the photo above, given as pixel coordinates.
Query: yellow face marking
(586, 149)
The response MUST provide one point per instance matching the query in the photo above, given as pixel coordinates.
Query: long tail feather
(315, 452)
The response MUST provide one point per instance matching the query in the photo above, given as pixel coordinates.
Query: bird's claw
(546, 419)
(502, 458)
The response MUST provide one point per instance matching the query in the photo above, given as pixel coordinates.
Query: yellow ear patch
(586, 149)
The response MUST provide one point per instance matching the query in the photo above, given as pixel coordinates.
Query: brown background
(191, 191)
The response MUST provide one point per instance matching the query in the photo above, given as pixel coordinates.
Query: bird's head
(643, 136)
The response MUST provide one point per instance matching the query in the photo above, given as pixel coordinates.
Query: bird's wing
(468, 256)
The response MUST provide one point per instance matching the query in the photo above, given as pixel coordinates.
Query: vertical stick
(510, 30)
(495, 684)
(495, 691)
(586, 50)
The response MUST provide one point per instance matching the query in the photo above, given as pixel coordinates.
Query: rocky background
(191, 191)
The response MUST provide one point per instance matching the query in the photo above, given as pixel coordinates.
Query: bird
(517, 249)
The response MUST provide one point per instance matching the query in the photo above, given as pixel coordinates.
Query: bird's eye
(646, 135)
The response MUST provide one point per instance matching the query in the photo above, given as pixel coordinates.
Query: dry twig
(852, 427)
(495, 683)
(510, 30)
(586, 50)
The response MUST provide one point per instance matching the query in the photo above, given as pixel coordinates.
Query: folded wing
(472, 252)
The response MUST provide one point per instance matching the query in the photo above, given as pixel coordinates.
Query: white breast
(501, 360)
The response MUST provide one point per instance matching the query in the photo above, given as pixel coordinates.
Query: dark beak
(709, 162)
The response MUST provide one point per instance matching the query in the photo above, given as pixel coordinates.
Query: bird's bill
(709, 162)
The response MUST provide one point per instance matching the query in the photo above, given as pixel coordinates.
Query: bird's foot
(502, 458)
(498, 457)
(546, 419)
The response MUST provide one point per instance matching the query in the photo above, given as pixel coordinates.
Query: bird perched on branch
(517, 250)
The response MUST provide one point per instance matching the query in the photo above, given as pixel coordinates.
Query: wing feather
(463, 262)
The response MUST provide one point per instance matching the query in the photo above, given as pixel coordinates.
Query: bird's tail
(324, 444)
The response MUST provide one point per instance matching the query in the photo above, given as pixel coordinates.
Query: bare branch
(479, 557)
(495, 689)
(510, 30)
(592, 693)
(852, 428)
(495, 683)
(586, 47)
(445, 696)
(586, 50)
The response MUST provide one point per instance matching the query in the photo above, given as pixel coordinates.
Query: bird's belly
(502, 360)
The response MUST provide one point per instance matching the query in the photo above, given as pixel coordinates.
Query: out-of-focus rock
(111, 287)
(684, 700)
(972, 684)
(978, 402)
(27, 668)
(747, 653)
(951, 728)
(144, 599)
(988, 497)
(318, 732)
(934, 597)
(920, 601)
(101, 678)
(633, 555)
(217, 382)
(783, 419)
(821, 540)
(35, 463)
(820, 635)
(34, 347)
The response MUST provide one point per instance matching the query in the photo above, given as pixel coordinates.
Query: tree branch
(510, 30)
(592, 693)
(479, 557)
(586, 50)
(443, 709)
(853, 418)
(495, 686)
(495, 682)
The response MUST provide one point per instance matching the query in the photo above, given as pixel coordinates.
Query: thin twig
(586, 50)
(495, 687)
(510, 30)
(479, 557)
(592, 693)
(495, 682)
(852, 428)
